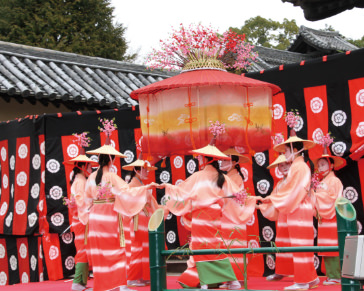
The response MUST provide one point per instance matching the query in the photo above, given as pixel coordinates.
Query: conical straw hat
(211, 151)
(338, 161)
(279, 160)
(307, 144)
(234, 152)
(81, 159)
(139, 163)
(106, 149)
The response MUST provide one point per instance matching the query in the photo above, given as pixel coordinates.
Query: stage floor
(254, 283)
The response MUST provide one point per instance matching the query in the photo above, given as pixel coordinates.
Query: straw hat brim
(307, 144)
(211, 151)
(338, 162)
(279, 160)
(106, 150)
(81, 159)
(139, 163)
(233, 152)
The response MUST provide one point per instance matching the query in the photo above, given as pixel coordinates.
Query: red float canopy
(202, 78)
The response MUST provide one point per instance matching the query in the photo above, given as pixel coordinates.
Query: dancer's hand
(161, 186)
(266, 200)
(152, 185)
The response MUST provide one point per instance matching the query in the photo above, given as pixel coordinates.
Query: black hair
(237, 166)
(76, 170)
(220, 178)
(103, 161)
(132, 173)
(298, 145)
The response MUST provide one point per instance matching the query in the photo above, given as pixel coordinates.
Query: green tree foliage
(269, 33)
(78, 26)
(358, 42)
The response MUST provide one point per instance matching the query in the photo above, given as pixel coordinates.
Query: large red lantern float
(175, 113)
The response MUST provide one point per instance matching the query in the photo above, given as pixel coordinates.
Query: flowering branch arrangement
(241, 196)
(108, 126)
(278, 138)
(315, 181)
(217, 128)
(104, 191)
(71, 203)
(326, 140)
(292, 118)
(82, 139)
(197, 42)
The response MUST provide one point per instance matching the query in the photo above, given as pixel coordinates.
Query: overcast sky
(148, 21)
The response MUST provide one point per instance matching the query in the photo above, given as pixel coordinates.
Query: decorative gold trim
(208, 63)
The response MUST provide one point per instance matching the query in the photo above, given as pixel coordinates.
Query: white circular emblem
(360, 226)
(13, 263)
(278, 173)
(178, 162)
(33, 263)
(164, 176)
(245, 173)
(67, 237)
(351, 194)
(299, 125)
(23, 251)
(171, 237)
(34, 191)
(251, 220)
(338, 148)
(40, 205)
(69, 263)
(57, 219)
(270, 262)
(253, 244)
(9, 219)
(317, 135)
(32, 219)
(163, 200)
(4, 208)
(360, 97)
(24, 278)
(20, 207)
(23, 151)
(277, 111)
(2, 251)
(360, 129)
(3, 154)
(12, 163)
(179, 181)
(316, 262)
(263, 186)
(191, 166)
(72, 150)
(56, 192)
(338, 118)
(36, 162)
(260, 158)
(114, 169)
(43, 177)
(53, 166)
(3, 279)
(21, 178)
(169, 216)
(268, 233)
(95, 158)
(42, 148)
(316, 104)
(129, 156)
(5, 181)
(53, 252)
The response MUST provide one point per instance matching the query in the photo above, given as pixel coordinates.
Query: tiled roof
(32, 72)
(321, 9)
(323, 41)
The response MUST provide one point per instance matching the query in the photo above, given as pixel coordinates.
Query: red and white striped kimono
(235, 235)
(200, 201)
(78, 216)
(139, 261)
(324, 198)
(292, 200)
(106, 231)
(284, 261)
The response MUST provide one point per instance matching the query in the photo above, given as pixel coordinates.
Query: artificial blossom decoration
(217, 128)
(315, 180)
(278, 138)
(241, 196)
(292, 118)
(71, 203)
(108, 126)
(82, 139)
(198, 43)
(104, 191)
(326, 140)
